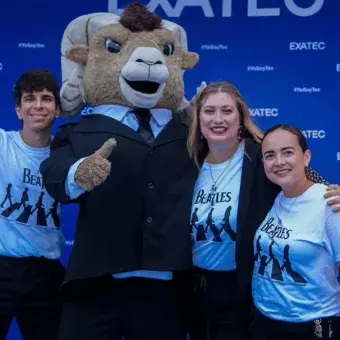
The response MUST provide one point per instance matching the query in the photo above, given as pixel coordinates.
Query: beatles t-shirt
(214, 213)
(30, 223)
(296, 250)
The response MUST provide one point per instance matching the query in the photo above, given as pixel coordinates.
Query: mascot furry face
(136, 60)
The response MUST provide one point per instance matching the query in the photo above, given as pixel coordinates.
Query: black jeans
(320, 329)
(108, 309)
(29, 291)
(219, 311)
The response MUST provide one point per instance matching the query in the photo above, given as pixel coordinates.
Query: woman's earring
(201, 136)
(240, 132)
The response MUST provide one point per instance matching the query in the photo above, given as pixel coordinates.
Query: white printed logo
(252, 10)
(307, 45)
(214, 47)
(338, 156)
(264, 112)
(258, 68)
(338, 67)
(1, 67)
(314, 134)
(30, 45)
(87, 110)
(307, 89)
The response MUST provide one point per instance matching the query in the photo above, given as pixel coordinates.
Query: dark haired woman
(300, 299)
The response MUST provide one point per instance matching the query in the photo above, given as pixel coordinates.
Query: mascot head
(135, 60)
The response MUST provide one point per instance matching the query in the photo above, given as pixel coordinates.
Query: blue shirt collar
(118, 112)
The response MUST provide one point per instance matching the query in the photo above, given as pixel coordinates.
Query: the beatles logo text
(212, 198)
(28, 178)
(274, 230)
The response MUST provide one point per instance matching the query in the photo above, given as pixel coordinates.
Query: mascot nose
(150, 63)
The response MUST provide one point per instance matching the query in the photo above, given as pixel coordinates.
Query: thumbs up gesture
(93, 170)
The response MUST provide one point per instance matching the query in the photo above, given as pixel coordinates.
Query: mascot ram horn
(135, 60)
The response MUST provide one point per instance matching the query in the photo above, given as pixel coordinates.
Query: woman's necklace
(214, 185)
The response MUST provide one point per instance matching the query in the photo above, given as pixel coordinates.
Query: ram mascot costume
(125, 162)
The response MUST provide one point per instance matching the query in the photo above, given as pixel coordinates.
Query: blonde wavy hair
(197, 144)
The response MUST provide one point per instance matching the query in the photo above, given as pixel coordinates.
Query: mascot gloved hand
(94, 170)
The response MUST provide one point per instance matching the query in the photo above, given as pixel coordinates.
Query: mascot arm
(55, 168)
(66, 177)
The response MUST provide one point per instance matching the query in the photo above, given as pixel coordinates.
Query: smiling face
(38, 110)
(284, 160)
(219, 120)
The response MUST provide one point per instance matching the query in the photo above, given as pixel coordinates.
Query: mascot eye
(168, 49)
(112, 46)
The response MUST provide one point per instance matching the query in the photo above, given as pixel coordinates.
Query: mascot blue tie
(143, 116)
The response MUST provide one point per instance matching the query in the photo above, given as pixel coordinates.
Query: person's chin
(215, 138)
(40, 127)
(282, 180)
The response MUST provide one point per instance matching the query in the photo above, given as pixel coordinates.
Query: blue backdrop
(284, 56)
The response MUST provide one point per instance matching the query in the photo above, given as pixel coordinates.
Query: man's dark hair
(35, 81)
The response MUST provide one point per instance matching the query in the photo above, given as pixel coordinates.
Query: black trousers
(108, 309)
(219, 311)
(320, 329)
(29, 291)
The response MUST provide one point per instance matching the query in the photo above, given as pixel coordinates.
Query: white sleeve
(333, 232)
(72, 189)
(3, 138)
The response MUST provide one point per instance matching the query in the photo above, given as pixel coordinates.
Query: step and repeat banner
(283, 55)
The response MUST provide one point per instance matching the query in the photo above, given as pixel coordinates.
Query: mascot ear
(78, 53)
(190, 59)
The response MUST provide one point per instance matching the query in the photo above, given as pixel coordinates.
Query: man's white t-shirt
(30, 223)
(295, 272)
(214, 213)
